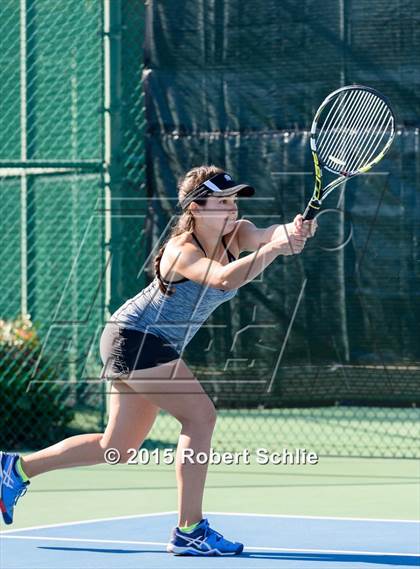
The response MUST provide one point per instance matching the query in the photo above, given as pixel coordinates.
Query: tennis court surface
(340, 513)
(273, 541)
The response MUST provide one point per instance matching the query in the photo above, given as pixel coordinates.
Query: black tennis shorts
(124, 349)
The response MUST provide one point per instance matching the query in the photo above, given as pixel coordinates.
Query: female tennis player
(141, 347)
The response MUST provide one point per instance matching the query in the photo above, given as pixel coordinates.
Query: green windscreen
(237, 84)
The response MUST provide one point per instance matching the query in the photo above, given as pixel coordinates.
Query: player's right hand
(292, 239)
(290, 244)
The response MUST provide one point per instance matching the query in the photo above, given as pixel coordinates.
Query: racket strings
(374, 131)
(350, 125)
(323, 131)
(352, 133)
(338, 150)
(327, 128)
(356, 133)
(355, 125)
(349, 150)
(364, 129)
(383, 129)
(333, 124)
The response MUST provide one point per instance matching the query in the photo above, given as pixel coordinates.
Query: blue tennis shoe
(202, 541)
(12, 487)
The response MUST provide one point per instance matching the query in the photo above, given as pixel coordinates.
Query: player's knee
(110, 446)
(211, 415)
(202, 417)
(117, 454)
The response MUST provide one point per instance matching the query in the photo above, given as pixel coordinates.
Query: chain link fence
(52, 186)
(81, 221)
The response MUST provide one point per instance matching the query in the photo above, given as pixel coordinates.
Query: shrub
(31, 415)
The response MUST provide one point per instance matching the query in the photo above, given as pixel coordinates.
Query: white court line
(314, 517)
(64, 524)
(156, 514)
(248, 548)
(83, 539)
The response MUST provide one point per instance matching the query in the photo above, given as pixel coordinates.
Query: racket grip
(312, 209)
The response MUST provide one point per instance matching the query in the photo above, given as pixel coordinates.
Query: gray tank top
(174, 318)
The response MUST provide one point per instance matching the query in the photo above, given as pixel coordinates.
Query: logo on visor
(227, 177)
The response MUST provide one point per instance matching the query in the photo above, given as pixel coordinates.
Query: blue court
(270, 542)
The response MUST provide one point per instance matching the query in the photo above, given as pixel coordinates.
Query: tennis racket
(351, 132)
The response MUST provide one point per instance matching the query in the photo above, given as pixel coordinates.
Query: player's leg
(174, 388)
(130, 419)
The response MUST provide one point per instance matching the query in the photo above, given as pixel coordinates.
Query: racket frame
(319, 193)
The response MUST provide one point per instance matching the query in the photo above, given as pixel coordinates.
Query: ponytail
(164, 288)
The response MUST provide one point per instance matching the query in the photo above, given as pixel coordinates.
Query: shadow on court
(398, 560)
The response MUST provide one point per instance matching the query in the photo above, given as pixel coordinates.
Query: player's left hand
(305, 228)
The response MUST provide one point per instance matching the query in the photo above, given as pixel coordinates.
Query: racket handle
(312, 209)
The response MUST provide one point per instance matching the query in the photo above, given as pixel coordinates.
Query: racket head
(352, 130)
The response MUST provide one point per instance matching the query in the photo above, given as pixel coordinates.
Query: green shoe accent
(189, 529)
(20, 471)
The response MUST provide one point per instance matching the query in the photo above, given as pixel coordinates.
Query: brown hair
(185, 223)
